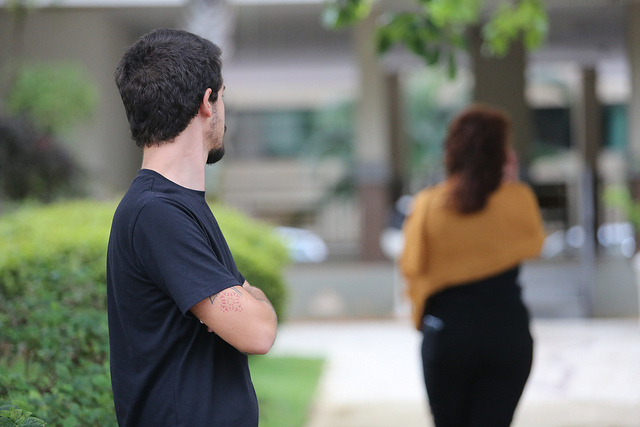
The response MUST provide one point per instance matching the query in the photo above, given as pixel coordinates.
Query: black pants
(477, 352)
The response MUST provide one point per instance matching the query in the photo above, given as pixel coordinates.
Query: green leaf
(453, 12)
(383, 41)
(33, 422)
(70, 421)
(442, 24)
(417, 33)
(432, 55)
(452, 68)
(620, 197)
(343, 13)
(527, 19)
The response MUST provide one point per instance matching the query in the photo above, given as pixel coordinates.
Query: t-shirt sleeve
(534, 221)
(174, 250)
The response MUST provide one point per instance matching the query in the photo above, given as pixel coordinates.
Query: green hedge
(53, 329)
(259, 254)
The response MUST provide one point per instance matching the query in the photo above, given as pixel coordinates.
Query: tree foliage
(55, 96)
(436, 30)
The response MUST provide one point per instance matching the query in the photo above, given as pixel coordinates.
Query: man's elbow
(260, 344)
(260, 349)
(261, 338)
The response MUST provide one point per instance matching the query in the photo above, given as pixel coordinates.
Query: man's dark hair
(162, 78)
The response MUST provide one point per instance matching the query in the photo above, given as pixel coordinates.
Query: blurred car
(615, 238)
(303, 245)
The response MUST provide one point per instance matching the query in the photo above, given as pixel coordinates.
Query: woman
(464, 241)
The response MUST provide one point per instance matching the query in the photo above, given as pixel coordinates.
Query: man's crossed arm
(242, 316)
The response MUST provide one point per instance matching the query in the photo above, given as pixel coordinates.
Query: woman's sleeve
(413, 261)
(535, 222)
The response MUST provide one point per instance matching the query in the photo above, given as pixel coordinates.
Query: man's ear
(206, 107)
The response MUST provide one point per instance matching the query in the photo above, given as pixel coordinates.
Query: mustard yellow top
(444, 248)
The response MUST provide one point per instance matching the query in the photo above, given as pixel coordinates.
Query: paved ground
(586, 373)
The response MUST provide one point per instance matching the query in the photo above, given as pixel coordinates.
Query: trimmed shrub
(53, 323)
(259, 254)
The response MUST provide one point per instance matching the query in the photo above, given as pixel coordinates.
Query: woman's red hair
(475, 155)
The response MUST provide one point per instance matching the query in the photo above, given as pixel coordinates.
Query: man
(181, 316)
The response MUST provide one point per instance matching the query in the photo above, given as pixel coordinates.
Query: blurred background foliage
(43, 103)
(34, 165)
(55, 96)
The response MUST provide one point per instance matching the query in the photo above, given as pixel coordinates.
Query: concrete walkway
(586, 373)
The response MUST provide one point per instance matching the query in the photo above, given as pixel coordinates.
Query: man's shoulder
(146, 190)
(156, 209)
(134, 200)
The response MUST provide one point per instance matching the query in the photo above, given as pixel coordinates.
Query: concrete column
(633, 53)
(373, 171)
(587, 120)
(501, 82)
(587, 131)
(10, 48)
(397, 145)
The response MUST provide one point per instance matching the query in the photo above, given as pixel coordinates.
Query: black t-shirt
(166, 253)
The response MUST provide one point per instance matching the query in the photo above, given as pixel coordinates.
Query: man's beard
(215, 155)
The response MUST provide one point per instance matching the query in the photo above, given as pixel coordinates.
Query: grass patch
(285, 387)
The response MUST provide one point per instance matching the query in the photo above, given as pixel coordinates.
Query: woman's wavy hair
(162, 78)
(475, 155)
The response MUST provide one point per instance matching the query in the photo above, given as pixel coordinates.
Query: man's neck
(181, 161)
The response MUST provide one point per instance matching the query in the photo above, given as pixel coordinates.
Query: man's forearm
(242, 316)
(257, 294)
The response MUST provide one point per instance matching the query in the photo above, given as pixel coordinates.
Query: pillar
(373, 124)
(501, 82)
(587, 131)
(397, 143)
(633, 54)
